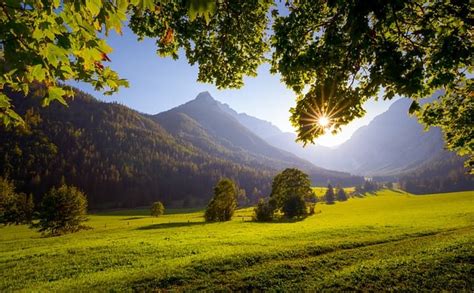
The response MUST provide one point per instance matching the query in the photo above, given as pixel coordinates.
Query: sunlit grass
(130, 250)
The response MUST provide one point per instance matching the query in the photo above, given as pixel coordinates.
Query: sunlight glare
(323, 121)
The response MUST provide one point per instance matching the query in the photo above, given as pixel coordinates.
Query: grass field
(321, 191)
(388, 241)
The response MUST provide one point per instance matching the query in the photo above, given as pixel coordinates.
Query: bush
(157, 209)
(223, 204)
(14, 208)
(62, 211)
(264, 211)
(341, 194)
(329, 196)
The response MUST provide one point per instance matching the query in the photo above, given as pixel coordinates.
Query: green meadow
(388, 241)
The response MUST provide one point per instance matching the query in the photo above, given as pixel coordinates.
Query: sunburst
(321, 114)
(324, 121)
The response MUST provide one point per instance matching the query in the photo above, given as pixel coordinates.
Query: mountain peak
(205, 96)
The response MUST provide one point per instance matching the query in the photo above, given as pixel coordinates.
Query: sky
(159, 84)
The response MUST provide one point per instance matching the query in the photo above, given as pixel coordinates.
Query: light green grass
(321, 191)
(388, 241)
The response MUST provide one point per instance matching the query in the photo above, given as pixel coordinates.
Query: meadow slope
(388, 241)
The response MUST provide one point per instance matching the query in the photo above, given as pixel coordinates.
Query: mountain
(123, 158)
(212, 126)
(391, 143)
(393, 147)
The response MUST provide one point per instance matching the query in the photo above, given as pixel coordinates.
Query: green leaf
(94, 6)
(38, 72)
(4, 101)
(55, 94)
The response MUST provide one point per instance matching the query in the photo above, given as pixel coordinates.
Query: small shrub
(157, 209)
(62, 211)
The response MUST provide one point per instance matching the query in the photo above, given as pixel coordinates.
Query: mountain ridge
(123, 158)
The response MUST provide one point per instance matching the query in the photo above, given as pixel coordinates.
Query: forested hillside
(122, 158)
(444, 173)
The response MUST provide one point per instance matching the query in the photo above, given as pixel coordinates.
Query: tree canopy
(335, 55)
(224, 202)
(62, 210)
(290, 189)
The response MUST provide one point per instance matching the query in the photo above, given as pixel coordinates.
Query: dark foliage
(341, 194)
(445, 173)
(117, 156)
(222, 206)
(264, 210)
(369, 186)
(62, 210)
(15, 208)
(294, 206)
(329, 196)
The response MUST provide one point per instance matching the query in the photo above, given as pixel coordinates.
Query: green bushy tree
(157, 209)
(62, 210)
(290, 190)
(224, 202)
(265, 210)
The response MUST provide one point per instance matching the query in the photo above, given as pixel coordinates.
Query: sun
(323, 121)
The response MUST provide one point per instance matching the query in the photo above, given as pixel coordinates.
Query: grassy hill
(388, 241)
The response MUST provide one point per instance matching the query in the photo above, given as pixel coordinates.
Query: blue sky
(158, 84)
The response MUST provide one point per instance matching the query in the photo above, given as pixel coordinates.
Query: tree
(222, 206)
(341, 194)
(15, 208)
(294, 206)
(342, 52)
(264, 210)
(48, 42)
(329, 195)
(157, 209)
(290, 190)
(62, 211)
(346, 52)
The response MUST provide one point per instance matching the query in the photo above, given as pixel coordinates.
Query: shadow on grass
(142, 211)
(171, 225)
(134, 218)
(281, 220)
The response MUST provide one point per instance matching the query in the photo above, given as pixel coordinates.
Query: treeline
(445, 173)
(117, 156)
